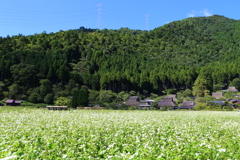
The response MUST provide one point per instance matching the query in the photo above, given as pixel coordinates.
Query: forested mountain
(201, 49)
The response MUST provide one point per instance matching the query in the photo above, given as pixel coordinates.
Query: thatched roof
(173, 96)
(133, 101)
(217, 95)
(188, 104)
(166, 101)
(232, 89)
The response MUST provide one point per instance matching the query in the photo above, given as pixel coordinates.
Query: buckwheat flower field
(77, 134)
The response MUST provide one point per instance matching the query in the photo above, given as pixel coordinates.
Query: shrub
(131, 108)
(62, 101)
(49, 98)
(35, 98)
(166, 108)
(228, 108)
(200, 106)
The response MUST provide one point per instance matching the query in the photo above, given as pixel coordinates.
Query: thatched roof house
(217, 95)
(166, 101)
(173, 96)
(232, 89)
(133, 101)
(187, 105)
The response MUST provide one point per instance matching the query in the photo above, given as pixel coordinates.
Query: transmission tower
(99, 15)
(147, 21)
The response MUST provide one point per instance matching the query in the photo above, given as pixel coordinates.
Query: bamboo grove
(173, 56)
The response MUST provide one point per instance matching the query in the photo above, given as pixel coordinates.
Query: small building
(232, 89)
(219, 102)
(56, 107)
(167, 102)
(186, 105)
(139, 104)
(173, 96)
(144, 105)
(150, 101)
(133, 101)
(217, 95)
(236, 95)
(11, 102)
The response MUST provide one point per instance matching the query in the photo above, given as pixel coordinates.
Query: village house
(173, 96)
(132, 101)
(234, 102)
(217, 95)
(11, 102)
(232, 89)
(167, 102)
(139, 104)
(186, 105)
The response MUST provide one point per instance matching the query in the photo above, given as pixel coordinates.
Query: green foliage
(80, 98)
(112, 134)
(200, 53)
(62, 101)
(166, 108)
(236, 83)
(131, 108)
(14, 89)
(228, 108)
(199, 86)
(200, 106)
(93, 96)
(45, 87)
(122, 96)
(49, 98)
(217, 87)
(83, 98)
(107, 96)
(35, 98)
(122, 107)
(187, 93)
(205, 99)
(154, 106)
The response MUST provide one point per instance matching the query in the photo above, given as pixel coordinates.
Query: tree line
(177, 56)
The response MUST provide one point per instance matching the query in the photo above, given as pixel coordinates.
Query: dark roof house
(232, 89)
(166, 101)
(11, 102)
(217, 95)
(219, 102)
(144, 105)
(133, 101)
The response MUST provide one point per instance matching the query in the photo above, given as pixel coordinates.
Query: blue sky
(28, 17)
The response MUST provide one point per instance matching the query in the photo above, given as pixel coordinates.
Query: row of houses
(169, 101)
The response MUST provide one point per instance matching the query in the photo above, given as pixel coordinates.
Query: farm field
(77, 134)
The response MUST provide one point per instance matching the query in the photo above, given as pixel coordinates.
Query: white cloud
(191, 15)
(206, 13)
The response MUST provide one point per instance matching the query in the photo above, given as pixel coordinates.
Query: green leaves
(43, 134)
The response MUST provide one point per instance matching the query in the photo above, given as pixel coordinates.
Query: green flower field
(78, 134)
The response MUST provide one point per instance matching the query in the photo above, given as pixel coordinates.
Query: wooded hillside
(174, 56)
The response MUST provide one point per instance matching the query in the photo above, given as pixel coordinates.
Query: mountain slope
(171, 56)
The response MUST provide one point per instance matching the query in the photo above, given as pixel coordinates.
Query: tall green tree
(199, 86)
(236, 83)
